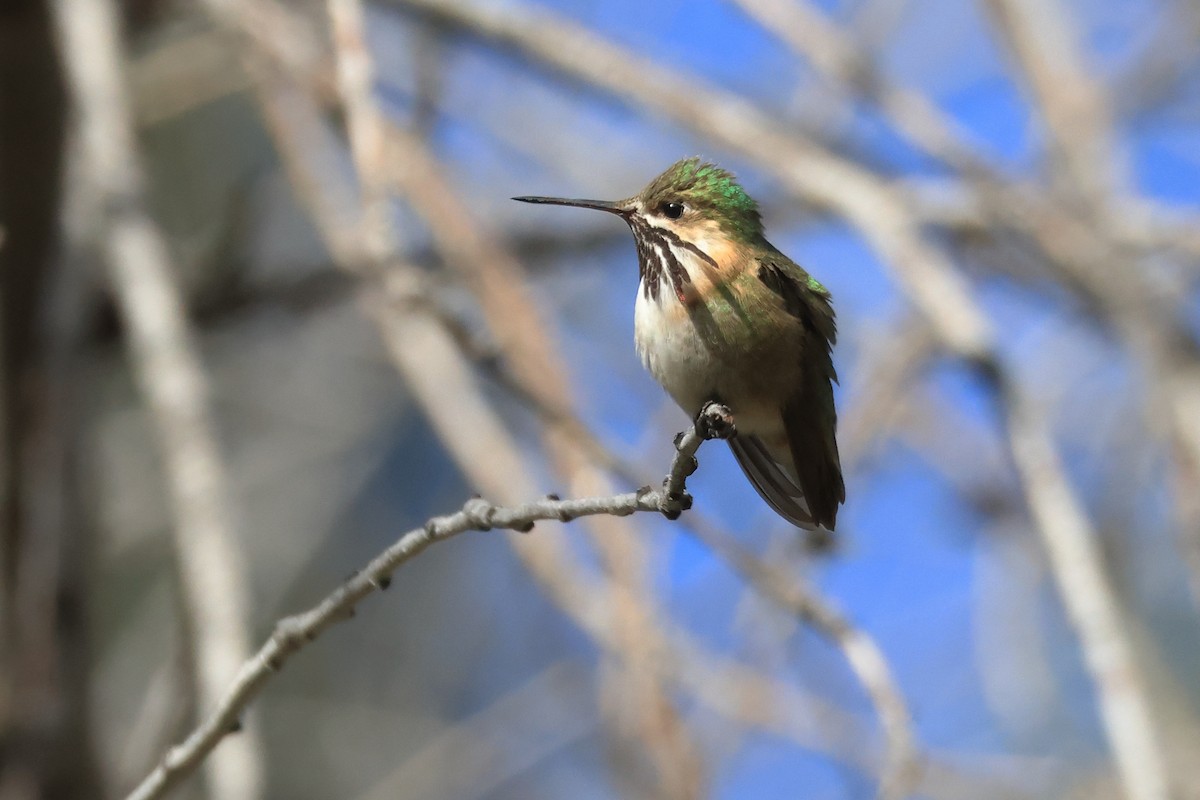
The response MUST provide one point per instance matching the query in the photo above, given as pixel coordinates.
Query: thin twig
(167, 367)
(295, 632)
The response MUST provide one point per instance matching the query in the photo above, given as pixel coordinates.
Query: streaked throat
(667, 259)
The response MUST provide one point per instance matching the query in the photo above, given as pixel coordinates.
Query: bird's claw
(715, 421)
(673, 505)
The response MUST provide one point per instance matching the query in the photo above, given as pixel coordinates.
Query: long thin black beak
(600, 205)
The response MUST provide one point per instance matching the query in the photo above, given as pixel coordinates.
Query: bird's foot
(674, 504)
(715, 421)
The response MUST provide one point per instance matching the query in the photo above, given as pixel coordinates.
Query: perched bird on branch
(723, 316)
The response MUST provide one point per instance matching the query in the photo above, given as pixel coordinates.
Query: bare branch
(1075, 108)
(1162, 64)
(167, 367)
(837, 57)
(1075, 557)
(295, 632)
(364, 124)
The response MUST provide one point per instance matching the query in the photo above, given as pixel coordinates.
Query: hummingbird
(723, 316)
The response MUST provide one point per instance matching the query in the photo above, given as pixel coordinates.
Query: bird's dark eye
(671, 210)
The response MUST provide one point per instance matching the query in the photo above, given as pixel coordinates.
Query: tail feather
(810, 433)
(803, 483)
(772, 481)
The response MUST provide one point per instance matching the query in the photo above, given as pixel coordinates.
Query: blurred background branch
(263, 302)
(211, 567)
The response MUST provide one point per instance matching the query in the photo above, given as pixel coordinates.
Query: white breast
(671, 349)
(754, 382)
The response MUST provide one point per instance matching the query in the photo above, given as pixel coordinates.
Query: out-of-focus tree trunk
(44, 743)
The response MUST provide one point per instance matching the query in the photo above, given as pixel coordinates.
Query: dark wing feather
(772, 481)
(810, 421)
(809, 416)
